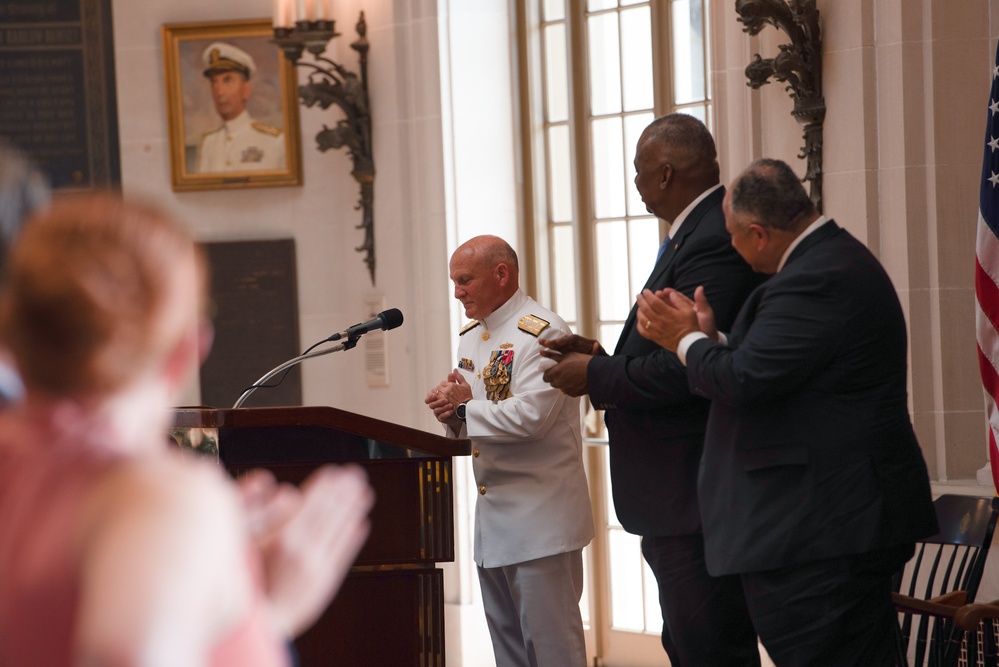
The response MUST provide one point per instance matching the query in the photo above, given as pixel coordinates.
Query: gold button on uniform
(482, 490)
(475, 453)
(485, 335)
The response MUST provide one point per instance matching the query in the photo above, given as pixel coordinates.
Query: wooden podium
(390, 610)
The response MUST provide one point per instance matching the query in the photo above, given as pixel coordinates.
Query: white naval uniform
(241, 144)
(533, 502)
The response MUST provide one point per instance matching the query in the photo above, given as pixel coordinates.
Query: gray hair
(501, 251)
(769, 191)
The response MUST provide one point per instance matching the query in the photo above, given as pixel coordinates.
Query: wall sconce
(307, 25)
(799, 65)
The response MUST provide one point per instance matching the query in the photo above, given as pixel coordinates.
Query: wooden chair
(942, 577)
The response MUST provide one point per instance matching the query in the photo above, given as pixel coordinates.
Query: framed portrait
(232, 107)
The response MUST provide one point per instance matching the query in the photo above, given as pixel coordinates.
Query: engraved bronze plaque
(57, 89)
(255, 297)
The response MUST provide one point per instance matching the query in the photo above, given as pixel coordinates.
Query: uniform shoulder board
(468, 327)
(267, 129)
(532, 324)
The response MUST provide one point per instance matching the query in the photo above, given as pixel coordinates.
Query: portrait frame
(192, 116)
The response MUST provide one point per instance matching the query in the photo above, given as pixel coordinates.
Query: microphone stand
(345, 345)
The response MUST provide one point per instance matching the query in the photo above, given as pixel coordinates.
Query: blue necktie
(662, 248)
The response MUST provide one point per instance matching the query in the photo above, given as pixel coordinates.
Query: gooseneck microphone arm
(387, 319)
(288, 364)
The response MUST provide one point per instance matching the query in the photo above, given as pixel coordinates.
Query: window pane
(559, 174)
(625, 3)
(643, 240)
(556, 75)
(636, 58)
(608, 168)
(564, 272)
(625, 555)
(605, 64)
(554, 10)
(614, 293)
(688, 51)
(633, 128)
(612, 520)
(698, 111)
(653, 612)
(609, 334)
(597, 5)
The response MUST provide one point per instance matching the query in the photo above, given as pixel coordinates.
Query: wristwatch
(459, 411)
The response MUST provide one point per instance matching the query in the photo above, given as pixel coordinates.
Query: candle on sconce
(282, 14)
(300, 11)
(327, 9)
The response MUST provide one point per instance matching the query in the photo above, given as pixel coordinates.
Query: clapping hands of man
(666, 316)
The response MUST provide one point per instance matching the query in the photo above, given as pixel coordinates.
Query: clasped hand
(666, 316)
(446, 396)
(571, 355)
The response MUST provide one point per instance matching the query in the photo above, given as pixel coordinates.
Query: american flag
(987, 273)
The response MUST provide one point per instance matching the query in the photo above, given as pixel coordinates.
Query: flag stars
(994, 143)
(994, 179)
(994, 106)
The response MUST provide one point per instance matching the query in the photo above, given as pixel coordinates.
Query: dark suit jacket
(656, 427)
(809, 452)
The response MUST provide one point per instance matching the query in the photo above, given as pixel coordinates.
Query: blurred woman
(113, 549)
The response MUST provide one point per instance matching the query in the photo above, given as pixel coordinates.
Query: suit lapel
(686, 229)
(655, 281)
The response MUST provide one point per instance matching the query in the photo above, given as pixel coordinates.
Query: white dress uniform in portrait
(240, 143)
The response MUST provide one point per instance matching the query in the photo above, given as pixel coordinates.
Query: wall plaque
(254, 292)
(57, 88)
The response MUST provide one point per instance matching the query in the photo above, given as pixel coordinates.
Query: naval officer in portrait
(240, 143)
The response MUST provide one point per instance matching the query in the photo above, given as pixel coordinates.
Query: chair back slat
(952, 560)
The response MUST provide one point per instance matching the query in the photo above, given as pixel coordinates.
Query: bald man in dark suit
(655, 425)
(812, 487)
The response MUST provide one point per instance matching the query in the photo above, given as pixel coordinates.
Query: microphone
(387, 319)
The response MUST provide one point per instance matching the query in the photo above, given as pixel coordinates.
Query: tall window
(597, 72)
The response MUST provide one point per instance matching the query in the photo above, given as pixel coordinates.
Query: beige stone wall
(905, 84)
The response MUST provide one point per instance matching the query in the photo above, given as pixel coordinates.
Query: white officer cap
(223, 57)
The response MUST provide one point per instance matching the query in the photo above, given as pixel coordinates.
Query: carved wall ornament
(799, 65)
(332, 84)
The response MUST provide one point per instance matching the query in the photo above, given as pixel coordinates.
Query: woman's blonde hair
(98, 290)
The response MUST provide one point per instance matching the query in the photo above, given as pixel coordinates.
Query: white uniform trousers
(532, 610)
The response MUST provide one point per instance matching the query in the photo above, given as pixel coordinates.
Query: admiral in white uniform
(532, 515)
(240, 144)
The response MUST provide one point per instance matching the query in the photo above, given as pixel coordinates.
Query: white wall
(333, 281)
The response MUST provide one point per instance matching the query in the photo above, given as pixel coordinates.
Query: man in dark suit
(656, 427)
(812, 486)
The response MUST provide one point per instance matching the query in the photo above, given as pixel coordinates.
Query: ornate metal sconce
(331, 83)
(799, 65)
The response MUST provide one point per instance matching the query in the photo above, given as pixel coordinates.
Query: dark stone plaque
(57, 88)
(255, 295)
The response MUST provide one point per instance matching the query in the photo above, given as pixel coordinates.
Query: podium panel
(390, 609)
